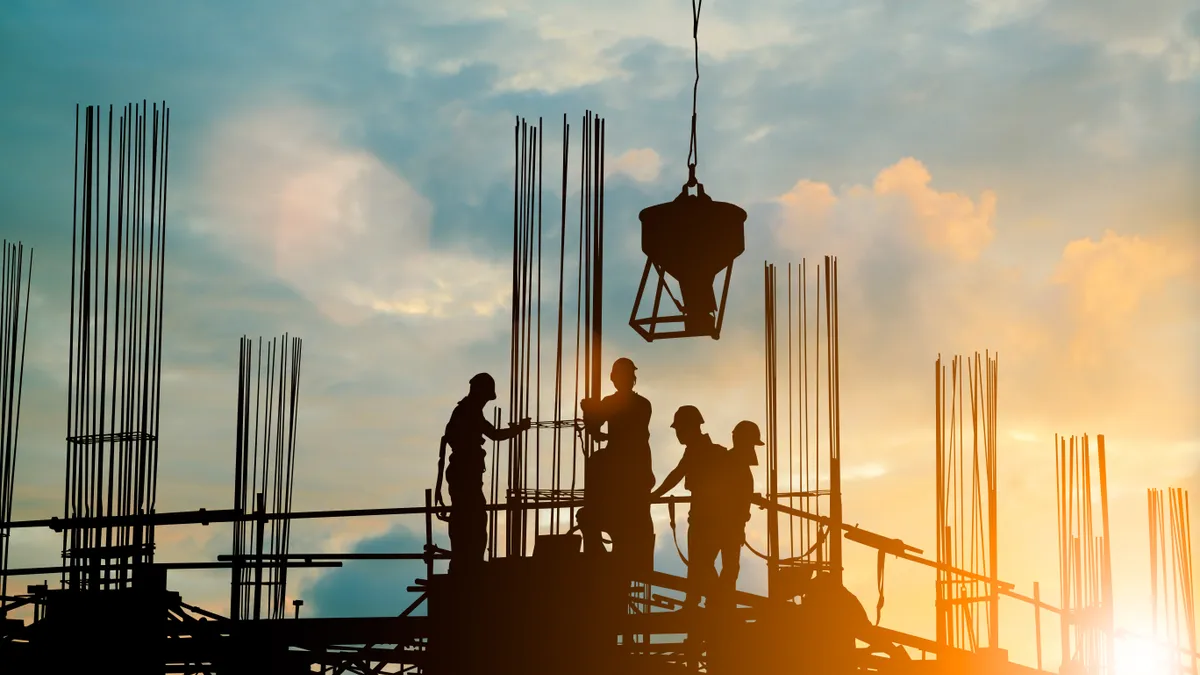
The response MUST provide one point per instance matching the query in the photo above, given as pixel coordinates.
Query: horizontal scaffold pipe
(39, 571)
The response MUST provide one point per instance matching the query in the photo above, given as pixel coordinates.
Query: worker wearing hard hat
(703, 468)
(464, 435)
(737, 493)
(620, 475)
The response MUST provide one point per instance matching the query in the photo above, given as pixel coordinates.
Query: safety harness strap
(441, 512)
(879, 571)
(674, 535)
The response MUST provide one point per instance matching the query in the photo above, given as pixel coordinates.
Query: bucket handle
(692, 182)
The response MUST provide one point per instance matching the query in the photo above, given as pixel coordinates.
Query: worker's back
(740, 485)
(746, 439)
(464, 434)
(628, 416)
(706, 478)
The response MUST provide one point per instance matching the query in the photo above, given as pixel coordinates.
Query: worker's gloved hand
(524, 424)
(441, 511)
(586, 405)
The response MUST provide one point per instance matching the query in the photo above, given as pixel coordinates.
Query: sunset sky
(1018, 176)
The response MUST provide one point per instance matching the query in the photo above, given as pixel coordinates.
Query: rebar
(1084, 557)
(14, 328)
(967, 490)
(115, 364)
(816, 550)
(264, 473)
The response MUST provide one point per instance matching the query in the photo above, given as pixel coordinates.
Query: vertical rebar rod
(1106, 592)
(835, 454)
(14, 319)
(597, 199)
(518, 169)
(537, 377)
(790, 417)
(808, 531)
(558, 349)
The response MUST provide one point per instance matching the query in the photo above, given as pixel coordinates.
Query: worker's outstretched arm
(511, 432)
(671, 480)
(595, 414)
(595, 410)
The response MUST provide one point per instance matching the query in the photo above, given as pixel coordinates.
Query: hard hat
(483, 383)
(748, 430)
(686, 416)
(623, 364)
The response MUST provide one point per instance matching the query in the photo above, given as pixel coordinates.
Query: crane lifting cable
(690, 240)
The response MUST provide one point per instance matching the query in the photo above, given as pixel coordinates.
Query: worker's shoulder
(627, 398)
(464, 411)
(705, 448)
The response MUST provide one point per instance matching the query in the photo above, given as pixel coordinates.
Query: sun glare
(1140, 656)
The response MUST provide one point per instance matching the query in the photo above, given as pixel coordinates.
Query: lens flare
(1141, 656)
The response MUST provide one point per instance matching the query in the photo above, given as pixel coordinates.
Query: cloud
(924, 272)
(641, 164)
(945, 222)
(1157, 32)
(281, 189)
(948, 222)
(991, 14)
(1109, 279)
(370, 587)
(1080, 127)
(549, 47)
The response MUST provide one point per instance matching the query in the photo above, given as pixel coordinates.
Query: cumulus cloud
(919, 277)
(948, 222)
(371, 587)
(640, 164)
(1108, 279)
(945, 222)
(335, 222)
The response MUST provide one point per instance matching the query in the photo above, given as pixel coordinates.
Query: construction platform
(536, 614)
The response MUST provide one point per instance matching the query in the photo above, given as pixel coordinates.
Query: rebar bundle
(1172, 591)
(810, 548)
(1084, 557)
(264, 470)
(14, 326)
(966, 502)
(530, 473)
(115, 364)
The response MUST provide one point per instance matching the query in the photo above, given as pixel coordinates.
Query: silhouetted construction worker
(620, 475)
(703, 468)
(464, 434)
(737, 490)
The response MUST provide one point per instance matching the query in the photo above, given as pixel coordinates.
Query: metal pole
(428, 536)
(1037, 621)
(260, 508)
(1106, 600)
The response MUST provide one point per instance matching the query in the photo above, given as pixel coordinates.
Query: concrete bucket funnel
(691, 239)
